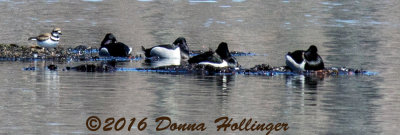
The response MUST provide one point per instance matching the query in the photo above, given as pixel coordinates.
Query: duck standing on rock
(110, 47)
(48, 40)
(301, 60)
(220, 58)
(177, 50)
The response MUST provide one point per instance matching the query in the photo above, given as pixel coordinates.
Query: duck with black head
(220, 58)
(177, 50)
(301, 60)
(110, 47)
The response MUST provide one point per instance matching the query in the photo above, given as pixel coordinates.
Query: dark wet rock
(30, 68)
(211, 70)
(185, 69)
(81, 48)
(263, 70)
(16, 51)
(102, 67)
(262, 67)
(13, 50)
(236, 53)
(52, 67)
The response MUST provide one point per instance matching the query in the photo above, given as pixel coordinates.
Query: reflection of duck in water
(301, 60)
(222, 58)
(303, 81)
(303, 89)
(110, 47)
(177, 50)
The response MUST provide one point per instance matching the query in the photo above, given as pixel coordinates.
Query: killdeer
(48, 40)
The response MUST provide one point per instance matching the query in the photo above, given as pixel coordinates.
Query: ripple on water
(347, 21)
(52, 1)
(208, 22)
(225, 6)
(238, 0)
(202, 1)
(93, 0)
(331, 3)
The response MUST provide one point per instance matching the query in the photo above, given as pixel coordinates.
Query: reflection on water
(356, 34)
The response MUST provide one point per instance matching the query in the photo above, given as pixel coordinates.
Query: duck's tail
(146, 51)
(130, 50)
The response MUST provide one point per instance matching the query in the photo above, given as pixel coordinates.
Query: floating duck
(301, 60)
(110, 47)
(177, 50)
(220, 58)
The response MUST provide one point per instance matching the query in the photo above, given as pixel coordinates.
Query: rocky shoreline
(14, 51)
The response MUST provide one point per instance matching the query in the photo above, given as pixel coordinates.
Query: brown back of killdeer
(48, 40)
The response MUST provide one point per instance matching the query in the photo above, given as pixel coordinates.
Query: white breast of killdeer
(48, 40)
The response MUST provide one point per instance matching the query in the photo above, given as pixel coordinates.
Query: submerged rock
(263, 69)
(102, 67)
(52, 67)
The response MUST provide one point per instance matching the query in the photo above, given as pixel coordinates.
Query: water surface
(355, 34)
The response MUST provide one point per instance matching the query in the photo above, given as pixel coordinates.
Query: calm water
(358, 34)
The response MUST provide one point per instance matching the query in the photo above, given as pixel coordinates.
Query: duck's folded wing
(168, 46)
